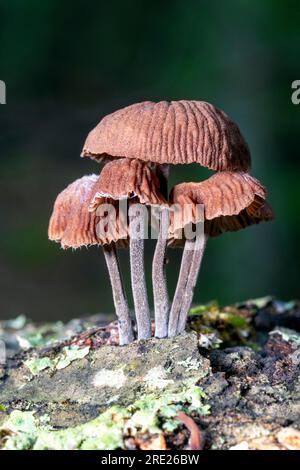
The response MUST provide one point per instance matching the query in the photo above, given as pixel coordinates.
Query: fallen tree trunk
(235, 373)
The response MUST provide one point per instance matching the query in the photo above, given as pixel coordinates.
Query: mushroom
(231, 200)
(164, 133)
(136, 181)
(73, 226)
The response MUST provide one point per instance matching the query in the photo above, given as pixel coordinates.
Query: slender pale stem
(139, 289)
(159, 280)
(186, 261)
(119, 296)
(199, 244)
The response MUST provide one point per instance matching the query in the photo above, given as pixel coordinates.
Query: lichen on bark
(235, 372)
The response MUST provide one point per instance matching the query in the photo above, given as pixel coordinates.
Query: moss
(216, 325)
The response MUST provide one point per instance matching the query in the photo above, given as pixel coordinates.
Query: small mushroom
(231, 200)
(73, 226)
(136, 181)
(168, 133)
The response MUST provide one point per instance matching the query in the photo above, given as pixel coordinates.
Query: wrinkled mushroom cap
(175, 132)
(125, 178)
(72, 225)
(231, 201)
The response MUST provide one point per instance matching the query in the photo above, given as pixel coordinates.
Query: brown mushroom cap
(231, 201)
(176, 132)
(126, 178)
(72, 225)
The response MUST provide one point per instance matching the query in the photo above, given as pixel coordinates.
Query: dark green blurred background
(66, 64)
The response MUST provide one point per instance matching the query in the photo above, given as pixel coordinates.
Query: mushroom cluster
(137, 145)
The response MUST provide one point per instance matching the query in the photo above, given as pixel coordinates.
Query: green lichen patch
(104, 377)
(20, 422)
(152, 414)
(37, 364)
(70, 354)
(20, 334)
(62, 360)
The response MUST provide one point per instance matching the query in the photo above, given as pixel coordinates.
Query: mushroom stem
(186, 261)
(199, 244)
(139, 289)
(159, 280)
(119, 296)
(189, 270)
